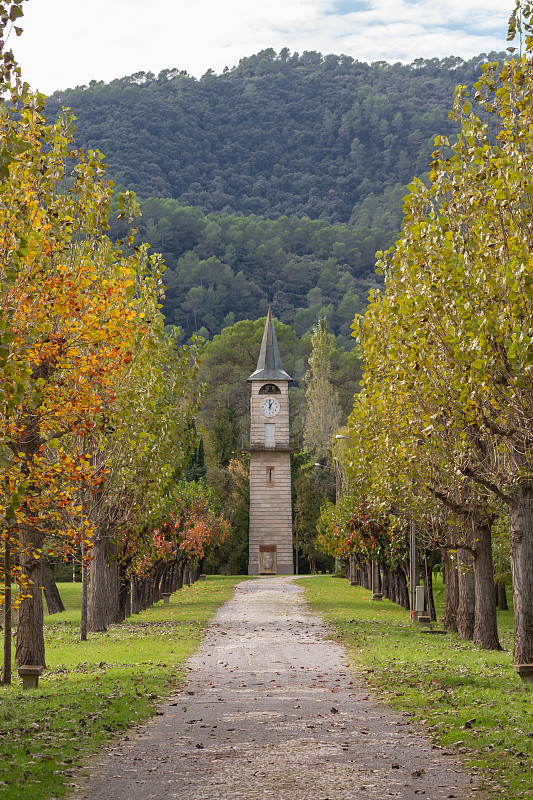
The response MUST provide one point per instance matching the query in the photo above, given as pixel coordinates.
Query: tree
(75, 312)
(140, 454)
(311, 488)
(323, 415)
(194, 525)
(68, 296)
(231, 486)
(456, 316)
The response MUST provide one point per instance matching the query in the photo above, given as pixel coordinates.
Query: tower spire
(269, 367)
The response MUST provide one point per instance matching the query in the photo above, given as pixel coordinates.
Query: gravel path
(271, 712)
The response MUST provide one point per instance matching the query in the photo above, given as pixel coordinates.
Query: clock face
(270, 407)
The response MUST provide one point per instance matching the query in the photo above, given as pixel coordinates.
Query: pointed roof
(269, 366)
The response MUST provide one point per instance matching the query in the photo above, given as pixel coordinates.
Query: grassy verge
(466, 698)
(96, 688)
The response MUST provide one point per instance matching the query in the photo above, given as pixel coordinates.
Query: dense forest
(301, 135)
(221, 268)
(282, 176)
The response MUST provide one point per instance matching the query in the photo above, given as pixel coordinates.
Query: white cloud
(66, 43)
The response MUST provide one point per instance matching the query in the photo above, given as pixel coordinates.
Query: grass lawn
(95, 688)
(465, 697)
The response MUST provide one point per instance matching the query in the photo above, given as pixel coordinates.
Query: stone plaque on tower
(270, 548)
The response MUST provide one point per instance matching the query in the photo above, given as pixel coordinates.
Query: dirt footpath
(271, 711)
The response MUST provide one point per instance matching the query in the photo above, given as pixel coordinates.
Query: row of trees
(97, 400)
(442, 430)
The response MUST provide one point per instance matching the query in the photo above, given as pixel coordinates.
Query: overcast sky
(68, 43)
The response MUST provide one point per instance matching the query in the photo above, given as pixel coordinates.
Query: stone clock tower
(270, 550)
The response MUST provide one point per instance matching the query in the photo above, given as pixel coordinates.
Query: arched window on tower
(270, 388)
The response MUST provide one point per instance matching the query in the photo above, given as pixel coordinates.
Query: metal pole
(338, 495)
(338, 481)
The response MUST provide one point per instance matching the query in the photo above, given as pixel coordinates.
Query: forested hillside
(283, 175)
(279, 134)
(222, 268)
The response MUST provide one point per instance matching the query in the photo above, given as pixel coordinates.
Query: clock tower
(270, 548)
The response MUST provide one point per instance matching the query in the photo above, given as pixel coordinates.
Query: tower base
(282, 569)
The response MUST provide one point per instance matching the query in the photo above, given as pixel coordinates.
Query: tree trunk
(124, 594)
(135, 595)
(394, 587)
(376, 577)
(403, 590)
(385, 583)
(172, 577)
(113, 609)
(501, 596)
(83, 622)
(30, 635)
(180, 567)
(521, 550)
(428, 587)
(104, 590)
(158, 575)
(97, 606)
(6, 671)
(142, 594)
(465, 606)
(451, 581)
(367, 575)
(146, 593)
(53, 599)
(164, 582)
(485, 623)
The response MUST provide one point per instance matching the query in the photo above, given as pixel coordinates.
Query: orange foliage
(68, 324)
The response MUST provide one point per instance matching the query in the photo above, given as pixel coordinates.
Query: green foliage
(444, 419)
(231, 485)
(323, 413)
(224, 436)
(301, 135)
(196, 468)
(221, 268)
(325, 146)
(311, 487)
(345, 376)
(465, 697)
